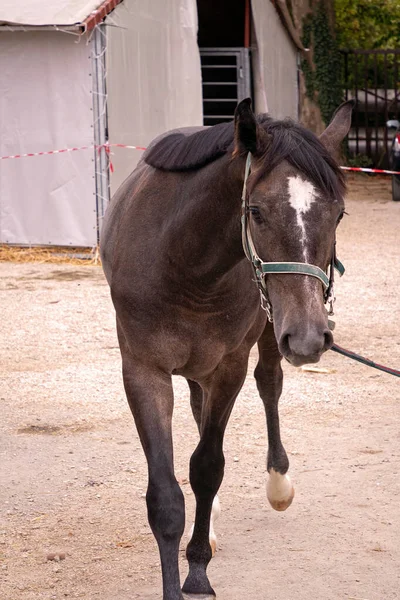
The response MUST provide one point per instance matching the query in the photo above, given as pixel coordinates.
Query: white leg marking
(215, 512)
(301, 196)
(280, 490)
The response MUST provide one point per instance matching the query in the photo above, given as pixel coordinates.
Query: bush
(360, 160)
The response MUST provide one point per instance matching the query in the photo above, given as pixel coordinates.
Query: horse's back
(123, 197)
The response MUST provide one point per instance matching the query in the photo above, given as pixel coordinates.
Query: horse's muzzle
(305, 346)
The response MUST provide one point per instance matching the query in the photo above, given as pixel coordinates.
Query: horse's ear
(338, 128)
(245, 128)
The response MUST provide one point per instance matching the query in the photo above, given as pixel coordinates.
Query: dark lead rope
(364, 361)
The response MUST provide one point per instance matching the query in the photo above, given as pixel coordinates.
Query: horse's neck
(208, 230)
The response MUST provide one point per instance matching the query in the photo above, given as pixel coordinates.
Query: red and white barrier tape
(45, 153)
(108, 146)
(71, 150)
(365, 170)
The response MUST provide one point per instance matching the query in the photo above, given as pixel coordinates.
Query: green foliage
(368, 24)
(360, 160)
(328, 65)
(308, 71)
(371, 71)
(324, 82)
(305, 66)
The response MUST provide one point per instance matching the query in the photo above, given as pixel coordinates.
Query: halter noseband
(261, 268)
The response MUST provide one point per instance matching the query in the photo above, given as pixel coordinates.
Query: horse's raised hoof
(280, 490)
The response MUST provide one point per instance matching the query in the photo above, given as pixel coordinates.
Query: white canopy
(40, 12)
(52, 95)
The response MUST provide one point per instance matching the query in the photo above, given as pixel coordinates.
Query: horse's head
(295, 202)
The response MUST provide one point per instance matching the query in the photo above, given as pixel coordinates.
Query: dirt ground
(73, 475)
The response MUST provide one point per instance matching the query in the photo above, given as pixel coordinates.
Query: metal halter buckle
(331, 300)
(266, 305)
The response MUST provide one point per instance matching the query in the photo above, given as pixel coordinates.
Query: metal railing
(372, 78)
(226, 80)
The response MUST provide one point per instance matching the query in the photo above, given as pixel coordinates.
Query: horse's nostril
(284, 345)
(328, 340)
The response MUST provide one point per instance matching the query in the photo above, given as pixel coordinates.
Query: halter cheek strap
(261, 268)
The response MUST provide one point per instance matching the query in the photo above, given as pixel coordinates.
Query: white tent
(79, 73)
(58, 61)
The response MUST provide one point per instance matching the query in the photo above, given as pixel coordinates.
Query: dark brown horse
(188, 300)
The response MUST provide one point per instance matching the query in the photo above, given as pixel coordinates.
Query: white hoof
(280, 490)
(215, 512)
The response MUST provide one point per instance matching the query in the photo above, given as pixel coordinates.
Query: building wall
(274, 63)
(153, 75)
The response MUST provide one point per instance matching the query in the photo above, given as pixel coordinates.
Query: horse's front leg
(207, 463)
(150, 398)
(268, 374)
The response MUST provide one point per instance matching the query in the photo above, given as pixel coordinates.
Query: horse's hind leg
(150, 398)
(207, 463)
(268, 374)
(196, 403)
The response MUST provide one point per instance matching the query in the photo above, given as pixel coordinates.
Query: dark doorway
(221, 23)
(224, 40)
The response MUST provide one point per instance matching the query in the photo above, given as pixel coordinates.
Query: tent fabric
(153, 75)
(153, 81)
(46, 104)
(274, 63)
(55, 12)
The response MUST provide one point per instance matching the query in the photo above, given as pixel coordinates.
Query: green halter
(261, 268)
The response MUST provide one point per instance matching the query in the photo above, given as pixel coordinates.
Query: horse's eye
(255, 212)
(341, 217)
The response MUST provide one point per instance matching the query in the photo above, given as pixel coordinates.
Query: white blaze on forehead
(301, 197)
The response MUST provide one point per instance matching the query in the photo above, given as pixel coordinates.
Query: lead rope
(364, 361)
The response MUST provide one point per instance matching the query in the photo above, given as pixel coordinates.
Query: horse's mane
(285, 140)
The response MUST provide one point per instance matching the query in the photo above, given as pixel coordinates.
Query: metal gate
(372, 78)
(226, 81)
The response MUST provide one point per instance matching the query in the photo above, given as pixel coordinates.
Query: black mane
(180, 152)
(285, 140)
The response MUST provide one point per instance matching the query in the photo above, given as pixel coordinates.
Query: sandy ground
(73, 475)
